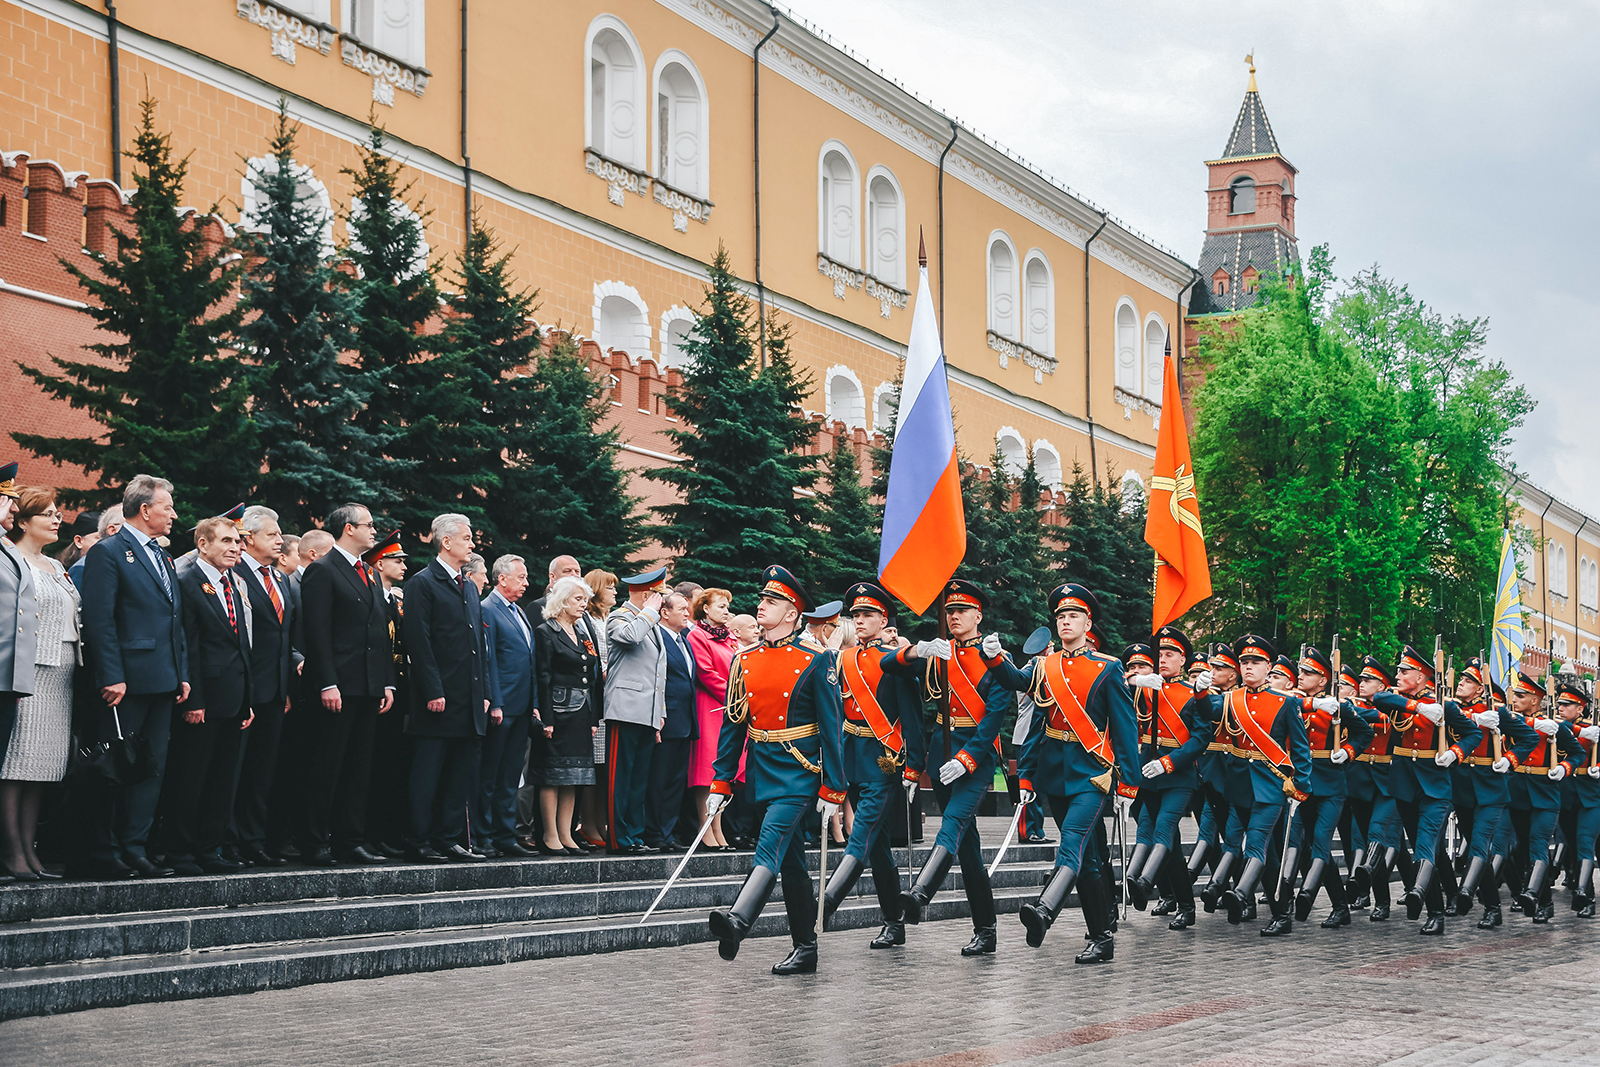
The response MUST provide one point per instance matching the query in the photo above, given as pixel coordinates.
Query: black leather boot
(732, 926)
(891, 936)
(1433, 924)
(1141, 887)
(1281, 925)
(982, 944)
(929, 879)
(1212, 893)
(1234, 899)
(1340, 915)
(840, 882)
(1135, 864)
(1469, 884)
(1308, 892)
(1197, 857)
(1529, 897)
(803, 960)
(1583, 888)
(1417, 895)
(1360, 877)
(1038, 916)
(1097, 917)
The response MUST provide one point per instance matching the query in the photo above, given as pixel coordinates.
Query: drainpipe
(761, 290)
(955, 131)
(116, 92)
(1088, 385)
(466, 160)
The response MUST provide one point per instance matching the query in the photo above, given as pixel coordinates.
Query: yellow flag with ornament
(1172, 526)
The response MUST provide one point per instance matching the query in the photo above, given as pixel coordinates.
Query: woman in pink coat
(713, 646)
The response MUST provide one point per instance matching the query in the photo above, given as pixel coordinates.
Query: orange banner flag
(1172, 525)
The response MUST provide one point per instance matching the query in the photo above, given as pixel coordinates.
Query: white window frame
(1022, 443)
(880, 421)
(897, 276)
(675, 313)
(701, 186)
(1117, 347)
(1040, 447)
(1015, 294)
(416, 54)
(1048, 346)
(320, 10)
(824, 245)
(305, 177)
(1154, 365)
(641, 106)
(850, 419)
(605, 289)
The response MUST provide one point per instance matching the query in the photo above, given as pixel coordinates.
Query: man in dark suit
(286, 809)
(350, 668)
(204, 764)
(505, 745)
(452, 694)
(139, 659)
(669, 766)
(275, 660)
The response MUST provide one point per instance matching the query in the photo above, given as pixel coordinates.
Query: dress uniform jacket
(1488, 786)
(1368, 776)
(1252, 777)
(783, 700)
(896, 696)
(1532, 776)
(1057, 764)
(1354, 734)
(1176, 726)
(1412, 772)
(980, 700)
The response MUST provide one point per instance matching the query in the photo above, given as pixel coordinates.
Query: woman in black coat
(571, 687)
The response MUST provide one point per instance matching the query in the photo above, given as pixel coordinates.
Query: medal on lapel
(130, 555)
(209, 589)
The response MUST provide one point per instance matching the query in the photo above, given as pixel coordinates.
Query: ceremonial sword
(682, 863)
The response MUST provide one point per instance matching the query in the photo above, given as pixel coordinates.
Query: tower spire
(1251, 60)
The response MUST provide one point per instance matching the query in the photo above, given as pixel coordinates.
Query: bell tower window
(1242, 196)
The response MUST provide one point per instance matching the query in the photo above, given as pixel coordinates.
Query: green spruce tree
(172, 399)
(847, 526)
(298, 318)
(739, 509)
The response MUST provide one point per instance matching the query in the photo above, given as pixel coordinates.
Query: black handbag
(125, 761)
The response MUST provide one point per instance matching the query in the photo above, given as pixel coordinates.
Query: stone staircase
(76, 945)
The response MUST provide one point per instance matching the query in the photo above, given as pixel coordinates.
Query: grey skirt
(566, 770)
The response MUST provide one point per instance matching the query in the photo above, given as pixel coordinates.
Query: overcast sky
(1452, 144)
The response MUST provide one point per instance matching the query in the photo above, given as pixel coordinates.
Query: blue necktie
(161, 566)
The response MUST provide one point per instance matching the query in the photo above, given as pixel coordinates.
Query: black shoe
(232, 854)
(891, 936)
(388, 851)
(1433, 925)
(803, 960)
(1165, 906)
(218, 865)
(101, 870)
(1302, 906)
(1100, 950)
(488, 851)
(257, 856)
(424, 854)
(47, 875)
(1250, 909)
(1380, 912)
(644, 850)
(1516, 902)
(1491, 918)
(1280, 926)
(674, 848)
(1234, 903)
(546, 850)
(322, 857)
(730, 927)
(24, 875)
(1139, 891)
(1336, 918)
(514, 849)
(1414, 904)
(143, 868)
(456, 854)
(1544, 913)
(361, 854)
(1587, 911)
(184, 867)
(982, 943)
(1361, 903)
(1183, 920)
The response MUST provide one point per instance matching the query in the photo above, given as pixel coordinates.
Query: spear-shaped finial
(922, 249)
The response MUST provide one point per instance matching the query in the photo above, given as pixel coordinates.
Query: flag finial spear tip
(922, 249)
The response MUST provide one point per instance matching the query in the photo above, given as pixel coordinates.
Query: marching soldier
(1367, 784)
(1175, 727)
(883, 753)
(1282, 676)
(1539, 779)
(980, 699)
(1213, 770)
(1581, 798)
(1489, 763)
(1419, 778)
(1351, 831)
(1090, 731)
(1269, 763)
(783, 702)
(1336, 732)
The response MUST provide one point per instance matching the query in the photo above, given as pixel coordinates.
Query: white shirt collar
(354, 560)
(451, 571)
(138, 534)
(213, 575)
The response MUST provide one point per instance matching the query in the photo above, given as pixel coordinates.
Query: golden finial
(1251, 59)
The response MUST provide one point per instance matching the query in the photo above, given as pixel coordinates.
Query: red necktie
(272, 591)
(361, 569)
(227, 597)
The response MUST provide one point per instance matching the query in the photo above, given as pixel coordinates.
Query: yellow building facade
(614, 148)
(1560, 579)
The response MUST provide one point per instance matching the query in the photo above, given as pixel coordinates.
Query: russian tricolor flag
(924, 528)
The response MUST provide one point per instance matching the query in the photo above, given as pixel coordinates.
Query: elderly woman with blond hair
(572, 688)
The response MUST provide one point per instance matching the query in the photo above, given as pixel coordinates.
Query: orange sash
(1077, 716)
(1170, 717)
(1259, 737)
(866, 699)
(964, 691)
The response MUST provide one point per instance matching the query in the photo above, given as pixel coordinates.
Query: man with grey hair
(477, 572)
(107, 523)
(453, 696)
(138, 661)
(505, 746)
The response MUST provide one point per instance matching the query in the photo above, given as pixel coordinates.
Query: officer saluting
(882, 754)
(1090, 730)
(783, 699)
(979, 703)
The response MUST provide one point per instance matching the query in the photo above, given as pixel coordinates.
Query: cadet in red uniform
(1336, 733)
(1490, 758)
(1580, 796)
(783, 701)
(1367, 781)
(1536, 794)
(1213, 771)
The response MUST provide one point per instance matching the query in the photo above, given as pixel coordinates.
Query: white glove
(1501, 765)
(1590, 734)
(715, 802)
(828, 809)
(1592, 772)
(1548, 727)
(1445, 757)
(1339, 755)
(938, 648)
(1154, 769)
(951, 771)
(1556, 773)
(1488, 720)
(911, 789)
(990, 646)
(1434, 713)
(1202, 681)
(1025, 797)
(1146, 681)
(1328, 704)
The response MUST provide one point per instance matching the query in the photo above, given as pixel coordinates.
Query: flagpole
(942, 701)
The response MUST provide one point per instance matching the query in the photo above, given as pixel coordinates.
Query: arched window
(676, 322)
(310, 192)
(886, 228)
(682, 148)
(1132, 492)
(1219, 282)
(1155, 351)
(1250, 280)
(1003, 287)
(621, 320)
(1039, 304)
(397, 209)
(1129, 372)
(616, 93)
(1242, 196)
(847, 401)
(1558, 569)
(1591, 590)
(883, 407)
(838, 235)
(1047, 464)
(397, 28)
(1561, 646)
(1013, 453)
